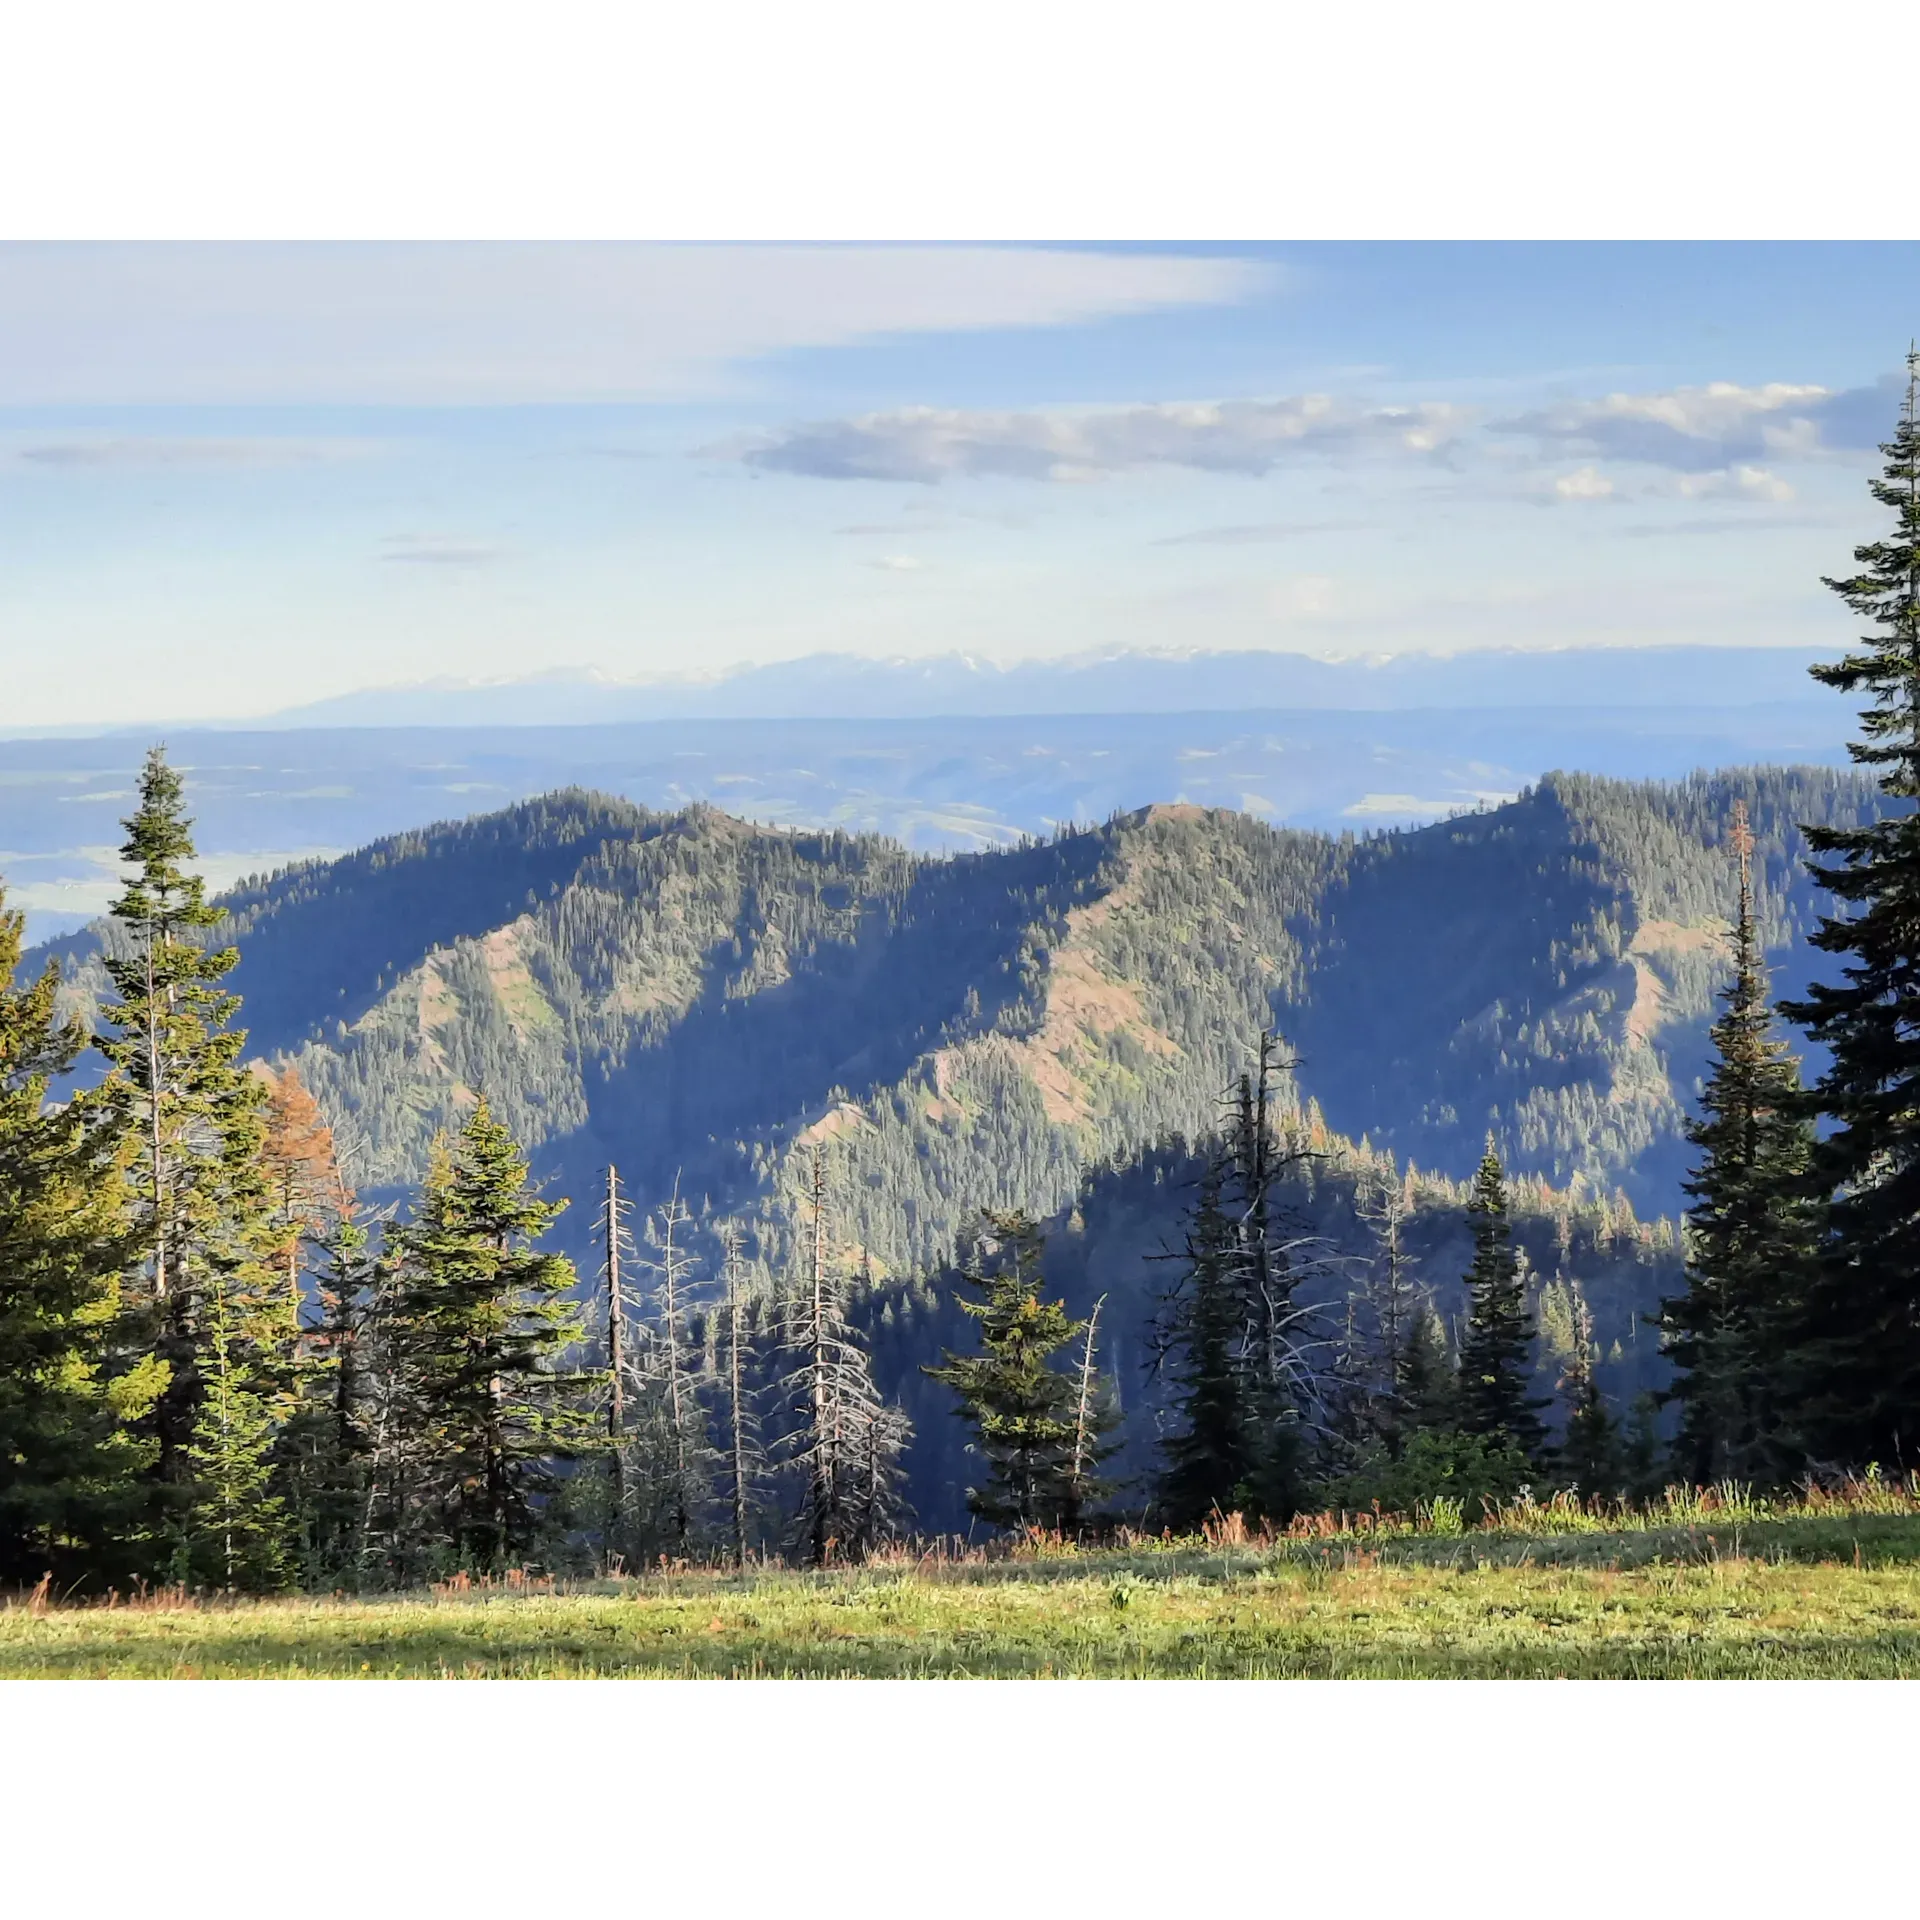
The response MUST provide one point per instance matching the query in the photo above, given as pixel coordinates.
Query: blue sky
(234, 479)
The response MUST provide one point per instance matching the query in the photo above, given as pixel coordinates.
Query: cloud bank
(1231, 436)
(1718, 438)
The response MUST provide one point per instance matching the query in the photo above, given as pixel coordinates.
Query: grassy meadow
(1696, 1586)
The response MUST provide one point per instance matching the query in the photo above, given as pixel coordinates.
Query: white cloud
(556, 322)
(900, 563)
(1740, 482)
(1691, 428)
(1584, 483)
(1228, 436)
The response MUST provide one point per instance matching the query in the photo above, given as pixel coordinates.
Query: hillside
(687, 993)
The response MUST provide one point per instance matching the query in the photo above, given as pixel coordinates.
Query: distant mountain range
(947, 780)
(850, 686)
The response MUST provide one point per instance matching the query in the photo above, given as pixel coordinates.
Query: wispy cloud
(501, 323)
(929, 444)
(140, 451)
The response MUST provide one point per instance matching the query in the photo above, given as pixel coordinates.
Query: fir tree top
(1496, 1351)
(159, 838)
(1886, 591)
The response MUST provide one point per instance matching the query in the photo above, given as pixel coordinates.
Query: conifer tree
(69, 1462)
(1384, 1315)
(237, 1532)
(326, 1448)
(1751, 1230)
(480, 1319)
(1590, 1453)
(1496, 1348)
(1210, 1454)
(1427, 1382)
(1277, 1378)
(1024, 1411)
(1856, 1368)
(196, 1187)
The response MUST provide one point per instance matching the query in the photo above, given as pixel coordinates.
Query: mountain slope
(689, 995)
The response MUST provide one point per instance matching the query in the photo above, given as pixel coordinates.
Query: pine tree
(196, 1188)
(1856, 1369)
(69, 1463)
(1428, 1385)
(326, 1449)
(1279, 1383)
(237, 1526)
(1751, 1230)
(1590, 1453)
(1390, 1306)
(1496, 1349)
(1023, 1410)
(1210, 1454)
(480, 1320)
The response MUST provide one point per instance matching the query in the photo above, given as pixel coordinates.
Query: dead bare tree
(742, 1423)
(847, 1442)
(683, 1418)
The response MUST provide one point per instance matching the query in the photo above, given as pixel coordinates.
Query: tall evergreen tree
(1751, 1230)
(1496, 1347)
(69, 1462)
(1210, 1454)
(196, 1187)
(480, 1319)
(1427, 1385)
(1022, 1409)
(1384, 1316)
(327, 1447)
(1590, 1454)
(1856, 1376)
(237, 1533)
(1266, 1265)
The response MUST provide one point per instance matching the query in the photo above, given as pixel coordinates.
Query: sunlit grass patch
(1707, 1588)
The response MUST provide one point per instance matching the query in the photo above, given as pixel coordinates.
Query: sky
(237, 478)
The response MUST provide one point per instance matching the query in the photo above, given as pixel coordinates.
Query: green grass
(1827, 1593)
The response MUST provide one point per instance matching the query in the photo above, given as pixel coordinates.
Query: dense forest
(1199, 1167)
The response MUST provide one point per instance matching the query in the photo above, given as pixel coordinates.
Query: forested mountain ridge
(688, 994)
